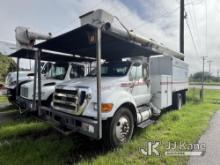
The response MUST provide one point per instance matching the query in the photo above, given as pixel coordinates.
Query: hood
(21, 73)
(91, 82)
(44, 83)
(12, 76)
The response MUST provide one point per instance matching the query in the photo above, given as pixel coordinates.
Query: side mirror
(137, 64)
(30, 74)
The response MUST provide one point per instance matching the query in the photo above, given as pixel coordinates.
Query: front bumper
(63, 121)
(24, 103)
(11, 94)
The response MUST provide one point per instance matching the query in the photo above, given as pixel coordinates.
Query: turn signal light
(107, 107)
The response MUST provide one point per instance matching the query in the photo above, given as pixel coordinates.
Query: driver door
(139, 88)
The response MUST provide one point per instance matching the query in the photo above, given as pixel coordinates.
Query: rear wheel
(184, 97)
(120, 128)
(177, 101)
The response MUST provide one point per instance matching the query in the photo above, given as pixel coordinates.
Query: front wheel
(121, 127)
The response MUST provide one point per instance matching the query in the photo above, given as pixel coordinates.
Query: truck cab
(24, 77)
(125, 86)
(121, 82)
(58, 73)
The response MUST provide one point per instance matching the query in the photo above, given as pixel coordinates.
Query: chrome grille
(66, 100)
(24, 92)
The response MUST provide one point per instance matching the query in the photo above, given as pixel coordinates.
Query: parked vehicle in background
(25, 38)
(59, 72)
(24, 77)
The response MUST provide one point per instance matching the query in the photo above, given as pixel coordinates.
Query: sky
(156, 19)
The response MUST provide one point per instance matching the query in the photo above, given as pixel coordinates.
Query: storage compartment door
(166, 91)
(169, 91)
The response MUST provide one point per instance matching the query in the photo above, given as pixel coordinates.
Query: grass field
(3, 99)
(28, 141)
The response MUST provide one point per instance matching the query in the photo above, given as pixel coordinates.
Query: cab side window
(46, 68)
(77, 71)
(135, 72)
(145, 71)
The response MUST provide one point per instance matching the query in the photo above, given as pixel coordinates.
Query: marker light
(106, 107)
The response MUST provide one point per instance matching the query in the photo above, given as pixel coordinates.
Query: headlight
(12, 83)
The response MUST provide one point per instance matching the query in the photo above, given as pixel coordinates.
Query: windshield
(77, 71)
(42, 64)
(112, 69)
(46, 68)
(58, 71)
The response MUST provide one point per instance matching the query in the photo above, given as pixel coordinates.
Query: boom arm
(26, 38)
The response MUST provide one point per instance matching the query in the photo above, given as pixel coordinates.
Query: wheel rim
(123, 129)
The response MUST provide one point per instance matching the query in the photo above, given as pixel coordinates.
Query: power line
(196, 24)
(210, 63)
(192, 2)
(153, 19)
(206, 28)
(167, 13)
(190, 32)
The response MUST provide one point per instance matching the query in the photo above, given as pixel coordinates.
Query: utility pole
(203, 75)
(210, 62)
(182, 10)
(30, 65)
(218, 71)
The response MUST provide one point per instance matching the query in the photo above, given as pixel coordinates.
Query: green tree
(197, 77)
(6, 65)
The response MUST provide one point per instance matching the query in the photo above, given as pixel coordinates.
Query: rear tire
(119, 129)
(178, 101)
(184, 97)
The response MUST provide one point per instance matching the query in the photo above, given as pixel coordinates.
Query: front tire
(12, 97)
(48, 102)
(120, 128)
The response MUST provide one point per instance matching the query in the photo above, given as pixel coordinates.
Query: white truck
(118, 95)
(25, 38)
(24, 77)
(59, 72)
(132, 93)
